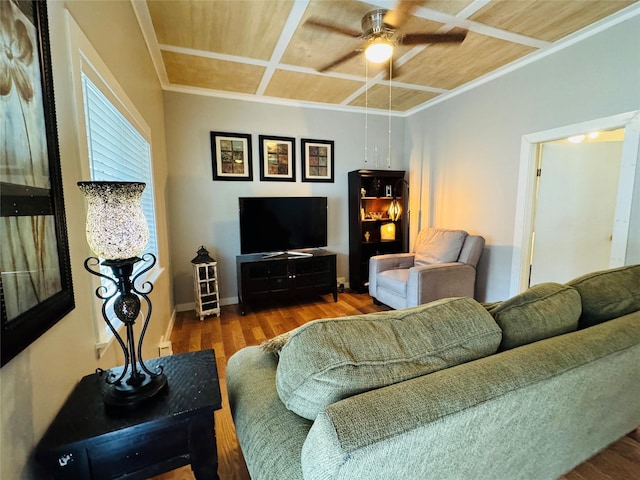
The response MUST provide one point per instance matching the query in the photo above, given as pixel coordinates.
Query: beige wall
(205, 212)
(36, 382)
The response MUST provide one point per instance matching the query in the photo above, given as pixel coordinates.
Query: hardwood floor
(231, 331)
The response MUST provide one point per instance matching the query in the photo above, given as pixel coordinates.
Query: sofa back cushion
(437, 245)
(543, 311)
(327, 360)
(608, 294)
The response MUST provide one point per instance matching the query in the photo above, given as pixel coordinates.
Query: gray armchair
(442, 265)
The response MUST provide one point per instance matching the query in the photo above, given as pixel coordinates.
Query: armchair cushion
(437, 245)
(327, 360)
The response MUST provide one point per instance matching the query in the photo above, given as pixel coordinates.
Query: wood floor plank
(231, 331)
(626, 447)
(616, 466)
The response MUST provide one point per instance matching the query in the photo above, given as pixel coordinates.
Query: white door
(575, 209)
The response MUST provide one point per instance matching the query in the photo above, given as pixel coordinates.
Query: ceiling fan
(379, 33)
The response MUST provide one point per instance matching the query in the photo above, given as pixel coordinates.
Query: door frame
(525, 202)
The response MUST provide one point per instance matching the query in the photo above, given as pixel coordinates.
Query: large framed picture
(317, 160)
(35, 278)
(277, 159)
(231, 154)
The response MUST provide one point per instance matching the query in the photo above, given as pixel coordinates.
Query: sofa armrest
(440, 280)
(271, 436)
(391, 261)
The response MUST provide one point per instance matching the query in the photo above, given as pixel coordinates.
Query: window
(117, 151)
(116, 142)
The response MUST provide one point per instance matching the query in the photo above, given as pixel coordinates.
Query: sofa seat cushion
(543, 311)
(395, 280)
(608, 294)
(328, 360)
(438, 245)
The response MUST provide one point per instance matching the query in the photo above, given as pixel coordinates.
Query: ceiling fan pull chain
(366, 112)
(389, 151)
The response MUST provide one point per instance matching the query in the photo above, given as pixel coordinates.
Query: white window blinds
(117, 150)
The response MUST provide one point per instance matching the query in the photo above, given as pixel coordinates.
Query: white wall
(205, 212)
(467, 149)
(633, 244)
(35, 383)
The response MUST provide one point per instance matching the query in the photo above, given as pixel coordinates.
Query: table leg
(202, 448)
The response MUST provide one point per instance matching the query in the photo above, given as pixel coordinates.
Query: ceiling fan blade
(333, 28)
(340, 60)
(422, 38)
(399, 14)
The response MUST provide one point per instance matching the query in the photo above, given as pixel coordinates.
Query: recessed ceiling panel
(451, 7)
(402, 99)
(196, 71)
(229, 45)
(244, 28)
(315, 47)
(447, 66)
(309, 87)
(548, 20)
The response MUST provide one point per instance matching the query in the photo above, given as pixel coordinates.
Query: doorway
(575, 206)
(626, 196)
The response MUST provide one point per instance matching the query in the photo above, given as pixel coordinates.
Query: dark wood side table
(90, 441)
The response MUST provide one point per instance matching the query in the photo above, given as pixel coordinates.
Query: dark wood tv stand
(285, 275)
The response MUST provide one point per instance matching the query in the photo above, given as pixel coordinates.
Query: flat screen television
(282, 224)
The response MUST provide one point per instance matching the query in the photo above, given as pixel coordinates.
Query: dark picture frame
(231, 155)
(35, 281)
(317, 160)
(277, 158)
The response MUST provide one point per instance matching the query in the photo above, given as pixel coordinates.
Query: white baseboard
(164, 346)
(185, 307)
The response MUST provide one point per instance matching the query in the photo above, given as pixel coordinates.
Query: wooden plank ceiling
(263, 48)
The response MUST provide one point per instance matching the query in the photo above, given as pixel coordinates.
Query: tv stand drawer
(285, 276)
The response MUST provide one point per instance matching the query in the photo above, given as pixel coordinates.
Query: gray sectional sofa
(527, 388)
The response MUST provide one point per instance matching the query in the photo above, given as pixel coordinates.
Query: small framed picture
(317, 160)
(231, 156)
(277, 159)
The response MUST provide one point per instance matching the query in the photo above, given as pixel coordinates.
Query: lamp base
(127, 396)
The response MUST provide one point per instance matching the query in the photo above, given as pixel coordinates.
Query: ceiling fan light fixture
(379, 51)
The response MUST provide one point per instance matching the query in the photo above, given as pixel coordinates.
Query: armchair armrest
(391, 261)
(380, 263)
(440, 280)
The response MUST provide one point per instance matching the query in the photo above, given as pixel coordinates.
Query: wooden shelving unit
(370, 195)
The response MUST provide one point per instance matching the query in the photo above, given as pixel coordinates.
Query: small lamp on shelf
(395, 208)
(388, 231)
(117, 231)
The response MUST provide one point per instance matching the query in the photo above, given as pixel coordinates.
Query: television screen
(279, 224)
